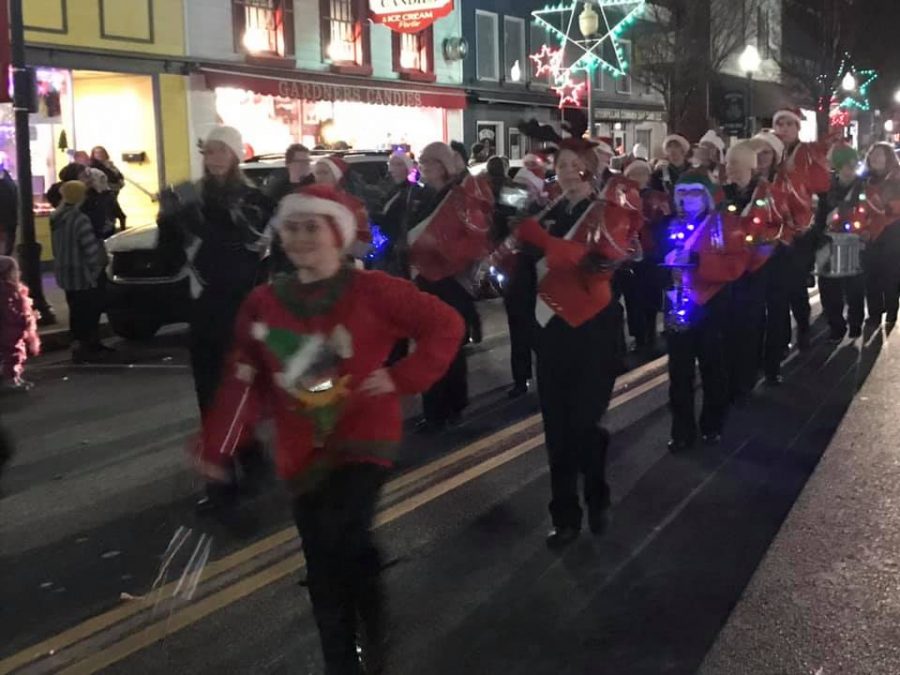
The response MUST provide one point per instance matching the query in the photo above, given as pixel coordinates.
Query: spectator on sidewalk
(101, 161)
(100, 205)
(71, 171)
(79, 259)
(18, 328)
(9, 209)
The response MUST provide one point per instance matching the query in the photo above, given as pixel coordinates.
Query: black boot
(561, 537)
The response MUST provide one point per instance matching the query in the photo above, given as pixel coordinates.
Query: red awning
(332, 87)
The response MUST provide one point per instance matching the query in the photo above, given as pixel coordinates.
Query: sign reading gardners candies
(409, 16)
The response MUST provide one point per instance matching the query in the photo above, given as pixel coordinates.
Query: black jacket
(280, 186)
(222, 238)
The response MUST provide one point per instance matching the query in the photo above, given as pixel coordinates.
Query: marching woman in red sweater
(309, 348)
(583, 239)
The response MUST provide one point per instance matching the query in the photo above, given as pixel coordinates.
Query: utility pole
(29, 249)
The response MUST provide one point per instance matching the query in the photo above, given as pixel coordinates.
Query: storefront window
(270, 123)
(265, 27)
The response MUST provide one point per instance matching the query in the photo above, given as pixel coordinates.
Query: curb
(58, 339)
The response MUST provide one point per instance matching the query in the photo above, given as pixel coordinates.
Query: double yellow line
(231, 593)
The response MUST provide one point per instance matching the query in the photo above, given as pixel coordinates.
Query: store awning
(332, 87)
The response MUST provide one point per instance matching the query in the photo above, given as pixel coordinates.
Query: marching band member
(664, 178)
(709, 253)
(309, 348)
(643, 288)
(605, 153)
(804, 173)
(883, 251)
(839, 213)
(769, 154)
(710, 154)
(451, 233)
(754, 306)
(582, 239)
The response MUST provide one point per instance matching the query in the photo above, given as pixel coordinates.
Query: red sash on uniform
(571, 292)
(456, 234)
(722, 256)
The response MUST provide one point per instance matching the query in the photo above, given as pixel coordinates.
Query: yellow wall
(176, 131)
(116, 111)
(117, 25)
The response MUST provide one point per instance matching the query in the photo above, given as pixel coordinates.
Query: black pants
(449, 396)
(703, 343)
(576, 370)
(777, 328)
(343, 563)
(519, 299)
(85, 309)
(801, 260)
(8, 235)
(744, 332)
(839, 293)
(881, 265)
(643, 290)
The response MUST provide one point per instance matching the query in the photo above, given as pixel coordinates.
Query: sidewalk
(825, 598)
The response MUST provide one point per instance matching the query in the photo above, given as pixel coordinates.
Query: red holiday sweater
(305, 372)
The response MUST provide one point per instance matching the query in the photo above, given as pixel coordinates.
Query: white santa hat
(713, 139)
(406, 159)
(767, 140)
(742, 153)
(441, 152)
(322, 200)
(528, 179)
(794, 114)
(337, 166)
(636, 165)
(230, 137)
(639, 151)
(677, 138)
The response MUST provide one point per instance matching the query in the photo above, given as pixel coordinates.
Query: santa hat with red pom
(794, 114)
(713, 139)
(336, 165)
(767, 140)
(323, 200)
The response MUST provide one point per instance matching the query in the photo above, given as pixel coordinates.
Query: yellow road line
(227, 596)
(124, 611)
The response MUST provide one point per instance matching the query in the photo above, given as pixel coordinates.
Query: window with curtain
(264, 27)
(515, 60)
(414, 52)
(344, 40)
(487, 57)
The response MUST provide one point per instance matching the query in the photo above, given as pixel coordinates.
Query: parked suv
(147, 292)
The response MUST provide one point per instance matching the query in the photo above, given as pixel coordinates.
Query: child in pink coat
(18, 328)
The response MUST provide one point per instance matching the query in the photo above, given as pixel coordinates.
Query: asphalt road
(100, 488)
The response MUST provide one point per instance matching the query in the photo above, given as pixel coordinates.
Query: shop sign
(312, 91)
(409, 16)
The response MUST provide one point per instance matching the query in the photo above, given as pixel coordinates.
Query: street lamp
(889, 126)
(750, 61)
(849, 82)
(589, 24)
(897, 96)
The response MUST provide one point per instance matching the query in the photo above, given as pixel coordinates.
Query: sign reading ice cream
(409, 16)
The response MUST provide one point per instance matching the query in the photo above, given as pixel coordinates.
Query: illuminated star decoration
(859, 98)
(591, 48)
(547, 61)
(568, 90)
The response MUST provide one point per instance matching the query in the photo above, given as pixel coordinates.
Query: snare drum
(844, 256)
